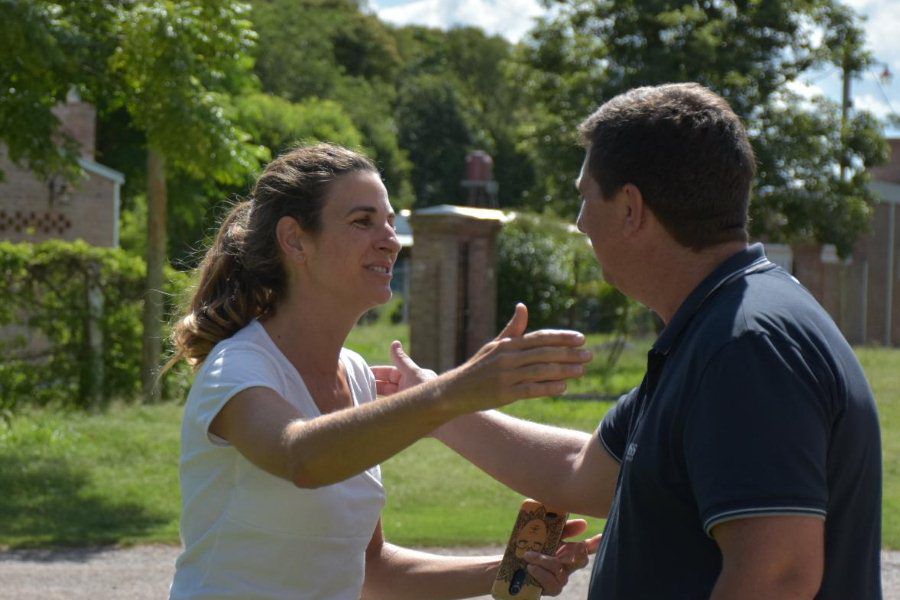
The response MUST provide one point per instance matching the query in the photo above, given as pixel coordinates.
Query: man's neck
(677, 271)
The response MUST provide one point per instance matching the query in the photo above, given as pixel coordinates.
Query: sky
(513, 18)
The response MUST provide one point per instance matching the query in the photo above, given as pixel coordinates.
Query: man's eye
(362, 222)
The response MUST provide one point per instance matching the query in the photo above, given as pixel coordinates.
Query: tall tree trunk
(157, 199)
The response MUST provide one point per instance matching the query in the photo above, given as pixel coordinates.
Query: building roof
(103, 171)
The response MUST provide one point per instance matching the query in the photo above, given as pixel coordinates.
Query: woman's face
(352, 256)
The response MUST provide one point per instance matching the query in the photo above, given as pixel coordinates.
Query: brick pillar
(453, 292)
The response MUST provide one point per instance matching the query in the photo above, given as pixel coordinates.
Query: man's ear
(636, 211)
(290, 237)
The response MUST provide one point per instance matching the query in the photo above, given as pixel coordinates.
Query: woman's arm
(269, 432)
(395, 573)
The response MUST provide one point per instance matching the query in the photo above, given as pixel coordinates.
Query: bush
(545, 263)
(44, 323)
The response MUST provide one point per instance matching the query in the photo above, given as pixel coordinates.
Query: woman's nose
(390, 242)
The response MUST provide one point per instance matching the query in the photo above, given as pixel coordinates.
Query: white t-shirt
(248, 534)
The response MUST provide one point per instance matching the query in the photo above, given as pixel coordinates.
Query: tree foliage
(333, 50)
(471, 68)
(587, 51)
(47, 358)
(48, 50)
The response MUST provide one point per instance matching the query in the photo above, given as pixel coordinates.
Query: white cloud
(875, 105)
(509, 18)
(805, 90)
(882, 31)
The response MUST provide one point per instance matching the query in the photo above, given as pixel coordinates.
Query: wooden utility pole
(847, 73)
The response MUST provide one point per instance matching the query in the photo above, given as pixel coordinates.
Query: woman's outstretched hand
(512, 366)
(517, 365)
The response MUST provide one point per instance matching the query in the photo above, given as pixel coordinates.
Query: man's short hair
(685, 150)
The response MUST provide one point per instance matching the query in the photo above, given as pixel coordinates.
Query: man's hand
(403, 374)
(552, 572)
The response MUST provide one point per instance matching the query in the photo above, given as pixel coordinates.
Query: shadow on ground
(47, 503)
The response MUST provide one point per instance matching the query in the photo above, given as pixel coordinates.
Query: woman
(281, 438)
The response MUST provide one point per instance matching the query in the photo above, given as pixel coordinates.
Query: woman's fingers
(593, 543)
(517, 324)
(537, 389)
(548, 571)
(547, 337)
(574, 527)
(550, 353)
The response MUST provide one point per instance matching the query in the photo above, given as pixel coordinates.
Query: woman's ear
(290, 238)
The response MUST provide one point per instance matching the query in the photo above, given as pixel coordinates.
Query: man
(747, 464)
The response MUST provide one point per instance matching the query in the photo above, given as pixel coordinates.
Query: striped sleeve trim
(767, 511)
(616, 457)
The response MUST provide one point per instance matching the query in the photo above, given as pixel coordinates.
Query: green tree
(437, 133)
(475, 64)
(49, 49)
(173, 66)
(168, 65)
(586, 51)
(334, 50)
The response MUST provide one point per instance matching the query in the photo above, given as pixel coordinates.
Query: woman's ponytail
(228, 295)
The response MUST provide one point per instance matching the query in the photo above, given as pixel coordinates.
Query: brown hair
(685, 150)
(241, 275)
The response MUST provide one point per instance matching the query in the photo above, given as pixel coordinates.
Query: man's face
(598, 219)
(532, 537)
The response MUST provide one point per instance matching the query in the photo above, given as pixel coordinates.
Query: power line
(884, 94)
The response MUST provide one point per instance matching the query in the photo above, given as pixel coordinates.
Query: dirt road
(144, 573)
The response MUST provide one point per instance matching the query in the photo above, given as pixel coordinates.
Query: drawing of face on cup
(532, 536)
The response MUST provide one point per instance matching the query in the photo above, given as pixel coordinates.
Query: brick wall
(86, 209)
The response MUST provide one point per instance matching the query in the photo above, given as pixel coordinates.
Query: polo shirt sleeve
(756, 434)
(613, 431)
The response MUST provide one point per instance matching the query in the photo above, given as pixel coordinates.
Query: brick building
(36, 210)
(862, 294)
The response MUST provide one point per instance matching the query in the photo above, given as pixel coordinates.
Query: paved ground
(144, 573)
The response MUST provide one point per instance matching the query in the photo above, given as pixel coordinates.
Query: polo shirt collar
(749, 260)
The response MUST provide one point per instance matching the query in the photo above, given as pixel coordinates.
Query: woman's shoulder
(248, 343)
(359, 364)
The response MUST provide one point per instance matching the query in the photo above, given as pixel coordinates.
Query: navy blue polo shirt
(753, 404)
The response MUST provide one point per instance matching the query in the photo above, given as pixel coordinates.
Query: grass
(81, 479)
(882, 366)
(112, 477)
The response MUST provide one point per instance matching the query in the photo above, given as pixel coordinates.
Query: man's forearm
(538, 461)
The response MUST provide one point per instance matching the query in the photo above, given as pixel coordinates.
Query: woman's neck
(310, 334)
